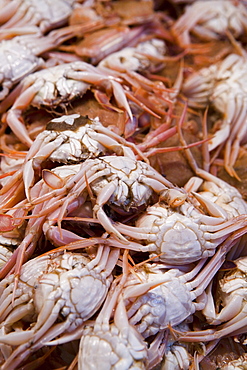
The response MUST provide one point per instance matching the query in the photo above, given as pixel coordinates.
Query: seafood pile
(123, 187)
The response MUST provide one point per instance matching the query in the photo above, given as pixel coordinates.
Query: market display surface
(123, 184)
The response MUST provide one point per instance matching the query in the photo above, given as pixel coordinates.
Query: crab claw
(52, 180)
(212, 208)
(7, 223)
(16, 339)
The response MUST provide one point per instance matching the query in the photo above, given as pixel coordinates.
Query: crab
(52, 286)
(99, 44)
(231, 295)
(114, 180)
(20, 56)
(33, 17)
(156, 298)
(71, 139)
(58, 86)
(179, 235)
(223, 85)
(232, 315)
(113, 345)
(125, 184)
(13, 224)
(138, 58)
(211, 22)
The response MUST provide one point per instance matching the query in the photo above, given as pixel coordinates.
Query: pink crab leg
(233, 143)
(77, 182)
(23, 349)
(52, 194)
(136, 290)
(42, 153)
(18, 18)
(162, 133)
(105, 141)
(157, 137)
(220, 231)
(56, 214)
(60, 237)
(211, 334)
(111, 300)
(205, 276)
(12, 196)
(139, 101)
(102, 198)
(13, 115)
(9, 185)
(233, 325)
(154, 151)
(8, 11)
(15, 340)
(232, 308)
(106, 261)
(10, 99)
(96, 77)
(187, 21)
(120, 97)
(32, 234)
(200, 172)
(212, 208)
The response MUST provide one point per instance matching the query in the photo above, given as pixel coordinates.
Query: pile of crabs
(123, 213)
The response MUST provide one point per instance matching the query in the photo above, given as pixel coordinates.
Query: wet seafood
(124, 346)
(122, 182)
(223, 85)
(231, 293)
(151, 310)
(58, 86)
(20, 57)
(52, 285)
(101, 43)
(127, 13)
(33, 17)
(140, 58)
(13, 220)
(219, 193)
(72, 139)
(117, 344)
(239, 364)
(180, 235)
(211, 22)
(233, 313)
(145, 274)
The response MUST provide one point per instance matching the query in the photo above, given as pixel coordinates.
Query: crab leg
(32, 234)
(57, 286)
(8, 11)
(91, 171)
(13, 115)
(212, 334)
(236, 135)
(235, 326)
(44, 151)
(220, 231)
(96, 77)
